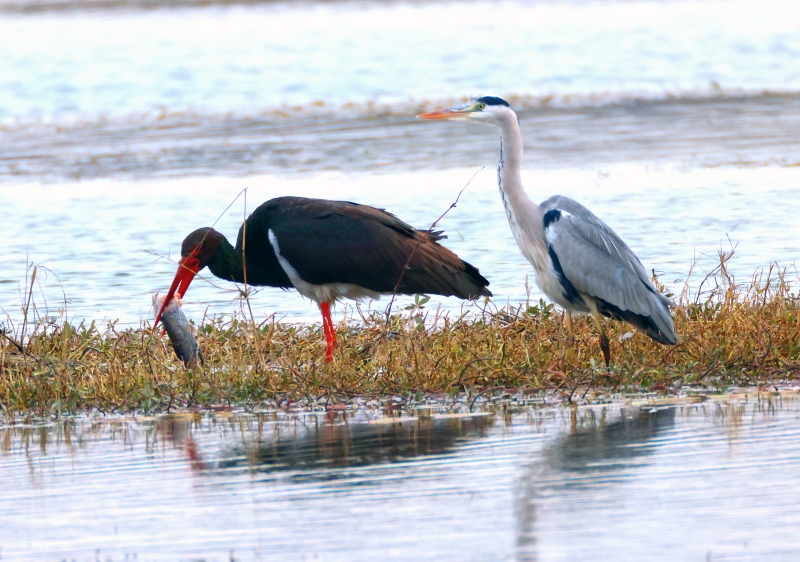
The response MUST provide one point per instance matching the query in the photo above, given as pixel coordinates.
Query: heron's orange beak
(187, 269)
(442, 114)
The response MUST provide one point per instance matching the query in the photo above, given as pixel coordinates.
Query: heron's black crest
(493, 100)
(551, 216)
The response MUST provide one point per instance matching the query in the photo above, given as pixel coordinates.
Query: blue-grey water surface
(716, 480)
(82, 65)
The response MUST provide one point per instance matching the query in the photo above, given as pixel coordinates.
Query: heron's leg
(569, 342)
(570, 334)
(330, 333)
(603, 338)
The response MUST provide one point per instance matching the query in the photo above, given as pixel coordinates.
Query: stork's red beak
(187, 269)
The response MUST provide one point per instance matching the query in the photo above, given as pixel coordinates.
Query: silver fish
(180, 332)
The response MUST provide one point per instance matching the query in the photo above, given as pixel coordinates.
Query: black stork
(328, 250)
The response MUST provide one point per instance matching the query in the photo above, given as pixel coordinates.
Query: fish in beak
(187, 269)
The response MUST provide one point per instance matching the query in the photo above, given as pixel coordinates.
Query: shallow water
(243, 59)
(710, 481)
(104, 268)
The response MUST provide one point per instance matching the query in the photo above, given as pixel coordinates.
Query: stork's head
(201, 246)
(197, 250)
(487, 109)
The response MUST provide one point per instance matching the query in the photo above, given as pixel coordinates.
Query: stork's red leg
(330, 333)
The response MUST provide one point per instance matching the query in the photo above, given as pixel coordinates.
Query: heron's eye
(481, 106)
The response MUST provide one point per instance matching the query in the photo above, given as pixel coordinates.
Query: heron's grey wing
(595, 261)
(598, 234)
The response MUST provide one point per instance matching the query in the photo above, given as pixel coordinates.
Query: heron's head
(487, 109)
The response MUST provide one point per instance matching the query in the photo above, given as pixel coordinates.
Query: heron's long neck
(524, 216)
(509, 179)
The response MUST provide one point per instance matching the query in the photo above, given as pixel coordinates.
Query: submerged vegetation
(743, 335)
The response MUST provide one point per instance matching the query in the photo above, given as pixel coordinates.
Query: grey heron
(578, 261)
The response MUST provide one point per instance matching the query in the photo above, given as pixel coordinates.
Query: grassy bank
(746, 335)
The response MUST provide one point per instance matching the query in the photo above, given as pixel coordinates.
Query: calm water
(106, 272)
(121, 130)
(716, 480)
(245, 59)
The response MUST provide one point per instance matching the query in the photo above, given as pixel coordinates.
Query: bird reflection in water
(595, 445)
(314, 447)
(592, 451)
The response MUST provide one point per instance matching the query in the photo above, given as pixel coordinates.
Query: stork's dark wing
(597, 262)
(341, 242)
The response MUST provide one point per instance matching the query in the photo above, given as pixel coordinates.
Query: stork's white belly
(325, 292)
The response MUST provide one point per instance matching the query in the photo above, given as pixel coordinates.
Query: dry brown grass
(733, 335)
